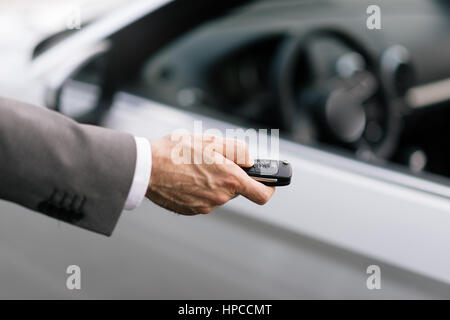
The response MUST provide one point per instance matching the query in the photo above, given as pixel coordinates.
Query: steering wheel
(347, 107)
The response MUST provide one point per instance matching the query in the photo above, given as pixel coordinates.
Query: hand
(189, 188)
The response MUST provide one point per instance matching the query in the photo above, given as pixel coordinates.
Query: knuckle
(265, 198)
(186, 140)
(260, 198)
(211, 139)
(221, 199)
(231, 182)
(204, 210)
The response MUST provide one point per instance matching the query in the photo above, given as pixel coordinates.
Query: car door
(320, 237)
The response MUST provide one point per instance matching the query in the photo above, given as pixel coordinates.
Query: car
(362, 117)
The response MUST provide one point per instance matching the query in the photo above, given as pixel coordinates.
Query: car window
(322, 72)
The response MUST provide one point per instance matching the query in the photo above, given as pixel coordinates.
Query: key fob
(271, 172)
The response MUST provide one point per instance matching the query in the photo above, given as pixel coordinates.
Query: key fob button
(271, 172)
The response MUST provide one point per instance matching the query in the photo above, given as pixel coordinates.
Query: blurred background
(363, 116)
(24, 23)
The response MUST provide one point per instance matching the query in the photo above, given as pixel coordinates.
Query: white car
(362, 114)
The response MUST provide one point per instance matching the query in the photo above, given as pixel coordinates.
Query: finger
(237, 151)
(254, 190)
(231, 149)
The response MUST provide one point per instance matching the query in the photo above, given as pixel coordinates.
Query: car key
(271, 172)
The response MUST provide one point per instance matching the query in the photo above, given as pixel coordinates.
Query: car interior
(310, 68)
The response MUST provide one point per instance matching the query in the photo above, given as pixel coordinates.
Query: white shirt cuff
(142, 174)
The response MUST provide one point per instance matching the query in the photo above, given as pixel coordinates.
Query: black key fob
(271, 172)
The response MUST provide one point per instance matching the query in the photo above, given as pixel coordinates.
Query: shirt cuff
(142, 172)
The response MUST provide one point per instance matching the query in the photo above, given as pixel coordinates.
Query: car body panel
(319, 247)
(314, 239)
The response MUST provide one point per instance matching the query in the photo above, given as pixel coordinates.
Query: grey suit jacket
(76, 173)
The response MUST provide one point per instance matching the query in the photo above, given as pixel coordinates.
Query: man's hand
(190, 188)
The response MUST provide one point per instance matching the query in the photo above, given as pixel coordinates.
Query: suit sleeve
(76, 173)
